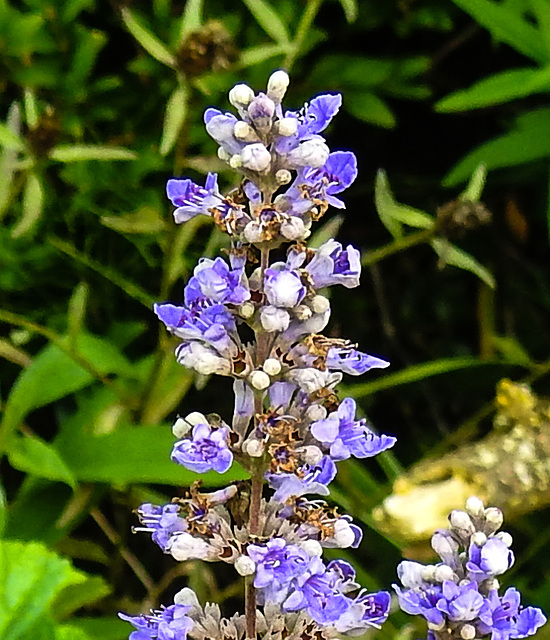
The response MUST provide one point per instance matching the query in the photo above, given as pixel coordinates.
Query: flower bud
(460, 521)
(468, 632)
(309, 153)
(478, 538)
(320, 304)
(277, 85)
(287, 127)
(475, 507)
(245, 566)
(312, 548)
(187, 597)
(505, 537)
(259, 380)
(302, 312)
(253, 232)
(316, 412)
(243, 131)
(241, 95)
(236, 161)
(188, 547)
(224, 155)
(272, 366)
(247, 310)
(180, 428)
(274, 319)
(283, 176)
(427, 573)
(343, 534)
(254, 448)
(293, 229)
(443, 572)
(436, 626)
(255, 157)
(494, 518)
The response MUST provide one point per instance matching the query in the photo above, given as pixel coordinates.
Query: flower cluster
(459, 597)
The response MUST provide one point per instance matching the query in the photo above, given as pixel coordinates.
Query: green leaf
(70, 631)
(261, 53)
(90, 43)
(474, 189)
(174, 117)
(499, 88)
(529, 140)
(81, 153)
(102, 628)
(3, 511)
(31, 577)
(450, 254)
(512, 350)
(33, 201)
(34, 456)
(392, 213)
(78, 595)
(10, 140)
(350, 9)
(146, 39)
(415, 373)
(269, 20)
(77, 310)
(369, 107)
(507, 26)
(31, 108)
(191, 19)
(97, 458)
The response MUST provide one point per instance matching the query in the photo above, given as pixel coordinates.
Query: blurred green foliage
(99, 105)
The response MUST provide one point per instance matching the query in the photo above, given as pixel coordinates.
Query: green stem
(310, 12)
(419, 237)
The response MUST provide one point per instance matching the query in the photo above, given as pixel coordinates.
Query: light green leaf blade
(474, 188)
(450, 254)
(174, 117)
(269, 20)
(497, 89)
(507, 26)
(33, 202)
(10, 140)
(36, 457)
(82, 153)
(191, 18)
(261, 53)
(369, 107)
(77, 595)
(147, 39)
(102, 628)
(350, 9)
(512, 350)
(31, 108)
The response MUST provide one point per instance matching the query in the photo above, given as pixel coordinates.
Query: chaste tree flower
(289, 427)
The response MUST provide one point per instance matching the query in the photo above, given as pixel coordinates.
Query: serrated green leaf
(529, 140)
(82, 153)
(36, 457)
(507, 26)
(174, 117)
(474, 188)
(33, 202)
(393, 214)
(268, 19)
(147, 39)
(450, 254)
(497, 89)
(369, 107)
(31, 577)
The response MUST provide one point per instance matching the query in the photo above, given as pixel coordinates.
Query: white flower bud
(224, 155)
(443, 572)
(272, 366)
(436, 626)
(316, 412)
(253, 232)
(277, 85)
(188, 547)
(311, 454)
(180, 428)
(468, 632)
(254, 448)
(312, 548)
(196, 417)
(491, 585)
(255, 157)
(320, 304)
(478, 538)
(245, 566)
(259, 380)
(287, 126)
(505, 537)
(283, 176)
(475, 507)
(187, 597)
(460, 520)
(310, 153)
(302, 312)
(236, 161)
(343, 534)
(246, 310)
(241, 95)
(494, 516)
(274, 319)
(243, 131)
(293, 228)
(427, 573)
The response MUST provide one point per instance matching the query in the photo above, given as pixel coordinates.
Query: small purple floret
(207, 449)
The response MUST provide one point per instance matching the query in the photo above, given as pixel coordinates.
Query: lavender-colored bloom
(206, 449)
(366, 611)
(460, 603)
(283, 288)
(220, 126)
(163, 522)
(192, 200)
(206, 323)
(203, 359)
(353, 362)
(214, 281)
(336, 175)
(277, 563)
(504, 618)
(171, 623)
(333, 265)
(421, 602)
(281, 393)
(490, 560)
(310, 478)
(348, 437)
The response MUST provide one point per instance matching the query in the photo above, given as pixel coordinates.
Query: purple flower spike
(353, 362)
(348, 437)
(207, 449)
(333, 265)
(169, 624)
